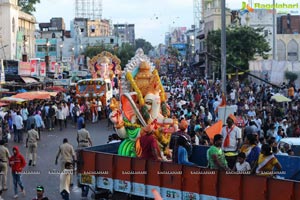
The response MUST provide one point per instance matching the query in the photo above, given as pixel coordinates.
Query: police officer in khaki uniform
(4, 157)
(83, 138)
(31, 144)
(67, 154)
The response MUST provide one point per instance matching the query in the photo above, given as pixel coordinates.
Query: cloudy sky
(152, 18)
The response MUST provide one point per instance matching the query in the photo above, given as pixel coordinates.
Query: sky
(152, 18)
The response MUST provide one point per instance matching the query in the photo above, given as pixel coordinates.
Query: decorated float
(103, 67)
(142, 102)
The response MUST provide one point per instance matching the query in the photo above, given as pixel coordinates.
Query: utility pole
(223, 45)
(274, 32)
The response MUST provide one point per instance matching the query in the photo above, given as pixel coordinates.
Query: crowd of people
(248, 141)
(250, 138)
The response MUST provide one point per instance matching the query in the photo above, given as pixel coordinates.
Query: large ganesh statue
(142, 103)
(104, 65)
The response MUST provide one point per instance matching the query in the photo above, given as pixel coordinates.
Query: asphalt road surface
(41, 174)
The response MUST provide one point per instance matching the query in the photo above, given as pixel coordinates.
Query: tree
(141, 43)
(243, 44)
(125, 53)
(291, 76)
(28, 6)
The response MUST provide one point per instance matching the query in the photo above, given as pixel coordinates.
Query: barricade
(87, 161)
(209, 184)
(296, 191)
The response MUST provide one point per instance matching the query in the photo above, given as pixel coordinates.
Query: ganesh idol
(142, 103)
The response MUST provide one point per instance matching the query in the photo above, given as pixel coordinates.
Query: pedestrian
(19, 127)
(80, 121)
(40, 193)
(66, 153)
(83, 137)
(66, 113)
(17, 164)
(4, 157)
(31, 144)
(84, 140)
(39, 123)
(60, 116)
(65, 180)
(99, 109)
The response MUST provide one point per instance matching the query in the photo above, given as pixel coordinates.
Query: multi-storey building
(126, 32)
(16, 31)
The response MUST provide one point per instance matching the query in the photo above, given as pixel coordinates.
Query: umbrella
(56, 88)
(280, 98)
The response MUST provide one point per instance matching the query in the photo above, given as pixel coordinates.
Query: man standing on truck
(231, 140)
(174, 140)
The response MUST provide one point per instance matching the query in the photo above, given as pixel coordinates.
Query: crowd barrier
(173, 181)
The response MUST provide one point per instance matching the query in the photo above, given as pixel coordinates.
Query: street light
(61, 46)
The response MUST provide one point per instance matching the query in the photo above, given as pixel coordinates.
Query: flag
(215, 129)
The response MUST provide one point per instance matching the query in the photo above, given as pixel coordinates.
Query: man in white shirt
(19, 127)
(231, 140)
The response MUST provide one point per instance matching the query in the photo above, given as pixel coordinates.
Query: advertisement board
(24, 69)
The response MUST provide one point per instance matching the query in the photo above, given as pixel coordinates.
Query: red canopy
(34, 95)
(56, 88)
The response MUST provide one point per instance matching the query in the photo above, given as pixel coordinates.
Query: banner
(24, 69)
(52, 67)
(2, 74)
(33, 64)
(43, 69)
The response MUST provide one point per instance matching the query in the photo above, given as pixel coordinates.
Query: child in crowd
(241, 164)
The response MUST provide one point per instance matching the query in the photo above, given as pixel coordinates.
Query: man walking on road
(40, 193)
(17, 163)
(66, 153)
(84, 140)
(65, 181)
(4, 157)
(31, 144)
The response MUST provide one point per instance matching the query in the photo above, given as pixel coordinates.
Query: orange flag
(213, 130)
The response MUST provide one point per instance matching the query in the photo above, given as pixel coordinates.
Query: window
(13, 25)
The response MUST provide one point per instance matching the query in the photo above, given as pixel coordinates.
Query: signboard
(2, 74)
(42, 68)
(24, 69)
(52, 67)
(34, 65)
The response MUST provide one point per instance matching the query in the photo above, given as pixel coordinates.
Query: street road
(47, 149)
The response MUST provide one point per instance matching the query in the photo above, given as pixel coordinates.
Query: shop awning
(28, 79)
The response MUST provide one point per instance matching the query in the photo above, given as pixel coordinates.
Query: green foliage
(28, 6)
(141, 43)
(124, 53)
(173, 52)
(291, 76)
(242, 43)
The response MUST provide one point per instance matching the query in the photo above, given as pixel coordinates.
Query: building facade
(126, 33)
(16, 31)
